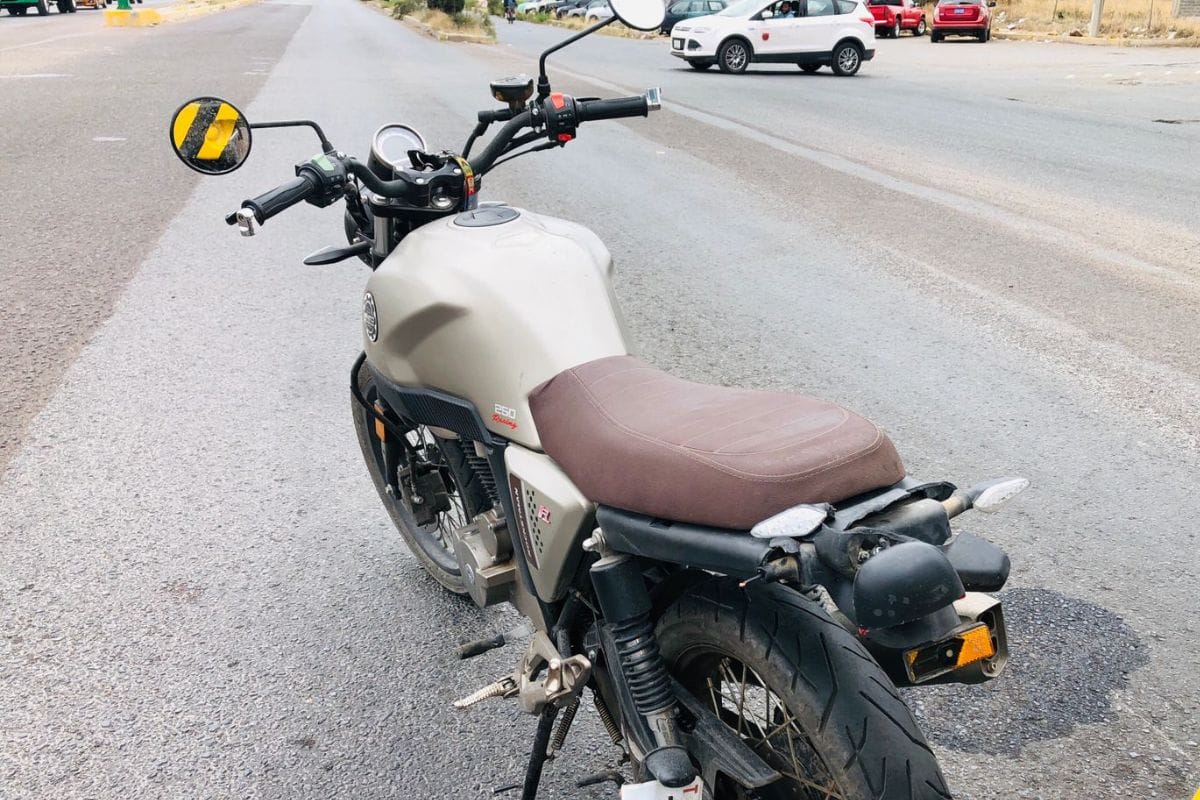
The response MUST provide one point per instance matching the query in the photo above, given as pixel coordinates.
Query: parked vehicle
(962, 18)
(579, 11)
(893, 16)
(565, 6)
(739, 578)
(535, 6)
(598, 11)
(19, 8)
(835, 33)
(687, 9)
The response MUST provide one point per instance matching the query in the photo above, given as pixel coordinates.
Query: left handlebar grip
(280, 198)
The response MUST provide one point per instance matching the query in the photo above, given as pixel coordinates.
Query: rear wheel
(986, 35)
(801, 691)
(895, 31)
(934, 38)
(448, 492)
(847, 58)
(66, 6)
(920, 29)
(734, 56)
(42, 8)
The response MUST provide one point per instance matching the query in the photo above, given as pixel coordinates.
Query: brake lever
(244, 219)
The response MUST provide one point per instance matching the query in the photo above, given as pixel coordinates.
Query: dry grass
(578, 23)
(1121, 18)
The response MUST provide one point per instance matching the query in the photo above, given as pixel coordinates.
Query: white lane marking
(45, 41)
(109, 139)
(34, 76)
(981, 209)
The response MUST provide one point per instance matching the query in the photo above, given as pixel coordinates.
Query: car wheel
(920, 31)
(895, 31)
(934, 38)
(700, 66)
(809, 68)
(847, 58)
(42, 8)
(987, 34)
(734, 56)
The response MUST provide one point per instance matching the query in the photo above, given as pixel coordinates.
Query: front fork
(636, 668)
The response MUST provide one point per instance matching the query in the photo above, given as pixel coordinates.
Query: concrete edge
(444, 36)
(183, 12)
(1062, 38)
(139, 18)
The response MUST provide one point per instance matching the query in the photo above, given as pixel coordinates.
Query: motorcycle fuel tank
(487, 305)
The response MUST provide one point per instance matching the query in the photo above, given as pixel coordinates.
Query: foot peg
(505, 687)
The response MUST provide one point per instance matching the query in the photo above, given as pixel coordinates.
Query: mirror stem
(295, 123)
(543, 87)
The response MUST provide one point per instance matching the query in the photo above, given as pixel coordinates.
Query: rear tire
(920, 29)
(66, 6)
(934, 38)
(42, 8)
(462, 485)
(847, 58)
(894, 33)
(801, 690)
(733, 57)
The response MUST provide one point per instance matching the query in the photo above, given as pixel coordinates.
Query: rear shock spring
(642, 665)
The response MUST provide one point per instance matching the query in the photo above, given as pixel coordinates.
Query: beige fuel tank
(486, 305)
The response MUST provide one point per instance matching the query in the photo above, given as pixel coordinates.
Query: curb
(145, 18)
(119, 18)
(443, 36)
(1062, 38)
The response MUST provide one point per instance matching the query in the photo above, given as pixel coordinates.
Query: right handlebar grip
(270, 203)
(615, 108)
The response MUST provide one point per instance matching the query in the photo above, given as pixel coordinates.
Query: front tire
(429, 543)
(895, 31)
(734, 56)
(847, 58)
(802, 691)
(920, 29)
(42, 8)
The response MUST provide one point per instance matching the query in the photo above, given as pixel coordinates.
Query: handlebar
(592, 110)
(280, 198)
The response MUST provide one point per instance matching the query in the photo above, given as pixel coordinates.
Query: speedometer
(391, 144)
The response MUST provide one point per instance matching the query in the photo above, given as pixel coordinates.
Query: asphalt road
(200, 595)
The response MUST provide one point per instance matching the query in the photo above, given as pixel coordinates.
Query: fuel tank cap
(486, 216)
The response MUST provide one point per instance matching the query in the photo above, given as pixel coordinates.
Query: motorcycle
(510, 14)
(738, 579)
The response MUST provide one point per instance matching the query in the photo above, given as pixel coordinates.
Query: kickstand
(537, 757)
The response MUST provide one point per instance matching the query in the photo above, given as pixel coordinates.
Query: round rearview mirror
(210, 135)
(642, 15)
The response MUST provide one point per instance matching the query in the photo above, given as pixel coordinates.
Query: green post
(123, 5)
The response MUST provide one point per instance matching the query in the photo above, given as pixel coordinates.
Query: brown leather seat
(634, 437)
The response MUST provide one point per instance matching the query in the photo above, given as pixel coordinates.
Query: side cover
(487, 312)
(553, 519)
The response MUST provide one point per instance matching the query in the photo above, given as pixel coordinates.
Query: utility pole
(1097, 10)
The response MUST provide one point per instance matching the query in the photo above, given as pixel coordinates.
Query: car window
(845, 6)
(697, 7)
(743, 8)
(713, 5)
(679, 8)
(820, 8)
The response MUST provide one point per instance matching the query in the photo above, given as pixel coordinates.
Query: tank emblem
(505, 416)
(370, 317)
(544, 514)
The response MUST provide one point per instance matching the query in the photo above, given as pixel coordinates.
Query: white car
(809, 33)
(534, 6)
(595, 13)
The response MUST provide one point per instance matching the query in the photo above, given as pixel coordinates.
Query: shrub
(402, 8)
(451, 7)
(496, 7)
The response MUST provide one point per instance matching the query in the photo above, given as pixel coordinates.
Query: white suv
(809, 33)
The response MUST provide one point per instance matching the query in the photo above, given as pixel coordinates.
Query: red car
(893, 16)
(962, 18)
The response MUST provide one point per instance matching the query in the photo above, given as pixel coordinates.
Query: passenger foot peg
(505, 687)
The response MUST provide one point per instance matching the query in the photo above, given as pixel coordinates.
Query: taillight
(868, 20)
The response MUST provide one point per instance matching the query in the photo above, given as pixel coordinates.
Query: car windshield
(742, 8)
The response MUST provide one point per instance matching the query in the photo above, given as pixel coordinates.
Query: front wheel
(895, 32)
(42, 8)
(734, 56)
(920, 30)
(801, 691)
(434, 471)
(847, 58)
